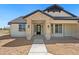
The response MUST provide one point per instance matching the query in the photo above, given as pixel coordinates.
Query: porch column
(77, 31)
(28, 30)
(47, 30)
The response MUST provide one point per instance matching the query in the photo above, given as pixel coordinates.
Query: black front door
(38, 29)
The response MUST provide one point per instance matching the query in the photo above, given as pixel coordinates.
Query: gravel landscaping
(63, 46)
(14, 46)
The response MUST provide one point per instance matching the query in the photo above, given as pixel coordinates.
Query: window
(58, 28)
(21, 27)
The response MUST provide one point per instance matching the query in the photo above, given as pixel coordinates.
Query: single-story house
(54, 21)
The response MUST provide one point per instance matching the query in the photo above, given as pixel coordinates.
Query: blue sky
(9, 12)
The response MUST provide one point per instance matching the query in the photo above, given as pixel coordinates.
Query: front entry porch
(53, 30)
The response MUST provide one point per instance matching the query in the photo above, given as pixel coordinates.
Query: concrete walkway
(38, 46)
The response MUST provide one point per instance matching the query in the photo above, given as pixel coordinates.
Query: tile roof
(18, 20)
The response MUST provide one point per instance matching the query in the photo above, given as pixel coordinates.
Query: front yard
(4, 32)
(14, 46)
(63, 46)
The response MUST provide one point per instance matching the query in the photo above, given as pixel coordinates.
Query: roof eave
(9, 23)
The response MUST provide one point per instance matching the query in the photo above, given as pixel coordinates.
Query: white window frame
(57, 34)
(23, 27)
(58, 28)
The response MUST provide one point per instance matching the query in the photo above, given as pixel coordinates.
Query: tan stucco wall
(29, 29)
(47, 29)
(69, 29)
(14, 31)
(59, 14)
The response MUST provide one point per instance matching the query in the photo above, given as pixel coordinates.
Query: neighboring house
(53, 21)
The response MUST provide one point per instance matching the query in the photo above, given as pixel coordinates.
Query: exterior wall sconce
(48, 26)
